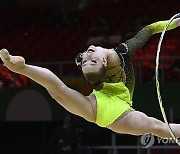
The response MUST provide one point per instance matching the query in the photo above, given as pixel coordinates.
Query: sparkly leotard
(114, 99)
(127, 49)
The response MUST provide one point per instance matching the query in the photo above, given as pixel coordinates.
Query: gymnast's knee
(157, 127)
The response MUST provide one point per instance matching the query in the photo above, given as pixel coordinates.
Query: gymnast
(111, 71)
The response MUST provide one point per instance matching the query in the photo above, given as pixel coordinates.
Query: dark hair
(96, 77)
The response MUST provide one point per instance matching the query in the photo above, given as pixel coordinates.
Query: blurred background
(50, 34)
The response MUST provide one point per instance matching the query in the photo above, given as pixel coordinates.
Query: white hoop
(157, 79)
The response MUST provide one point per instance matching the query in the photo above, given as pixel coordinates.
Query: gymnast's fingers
(177, 20)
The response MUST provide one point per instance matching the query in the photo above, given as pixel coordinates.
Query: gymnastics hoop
(157, 78)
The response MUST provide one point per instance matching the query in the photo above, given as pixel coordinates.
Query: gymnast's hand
(177, 21)
(14, 63)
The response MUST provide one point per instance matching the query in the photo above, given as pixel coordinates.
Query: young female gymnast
(110, 70)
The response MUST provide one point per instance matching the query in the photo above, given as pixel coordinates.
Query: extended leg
(138, 123)
(70, 99)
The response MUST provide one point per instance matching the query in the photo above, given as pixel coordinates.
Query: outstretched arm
(70, 99)
(138, 41)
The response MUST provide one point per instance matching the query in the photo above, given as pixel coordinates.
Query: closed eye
(84, 61)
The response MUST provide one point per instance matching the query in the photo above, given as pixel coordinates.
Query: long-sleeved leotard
(127, 49)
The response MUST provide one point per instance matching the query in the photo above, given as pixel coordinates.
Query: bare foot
(13, 63)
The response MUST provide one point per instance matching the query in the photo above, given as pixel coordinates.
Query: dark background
(55, 31)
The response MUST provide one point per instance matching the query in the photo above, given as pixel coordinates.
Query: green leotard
(114, 99)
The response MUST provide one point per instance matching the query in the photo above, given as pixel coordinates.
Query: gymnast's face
(94, 59)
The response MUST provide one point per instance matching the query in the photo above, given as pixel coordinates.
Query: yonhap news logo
(148, 140)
